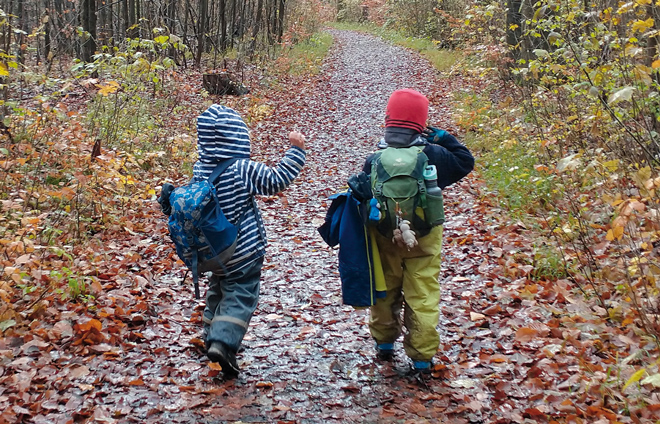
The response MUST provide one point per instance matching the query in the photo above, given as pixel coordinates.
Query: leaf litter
(512, 349)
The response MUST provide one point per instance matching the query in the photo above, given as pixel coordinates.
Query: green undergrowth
(511, 164)
(508, 162)
(306, 57)
(441, 59)
(82, 163)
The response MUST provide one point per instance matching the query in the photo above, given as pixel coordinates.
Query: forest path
(307, 357)
(137, 357)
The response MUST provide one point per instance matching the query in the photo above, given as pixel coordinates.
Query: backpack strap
(195, 273)
(422, 160)
(220, 168)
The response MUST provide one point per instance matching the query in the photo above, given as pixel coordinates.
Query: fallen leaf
(474, 316)
(525, 335)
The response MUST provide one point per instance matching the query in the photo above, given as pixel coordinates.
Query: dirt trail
(306, 358)
(318, 354)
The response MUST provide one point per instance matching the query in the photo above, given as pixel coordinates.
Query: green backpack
(397, 183)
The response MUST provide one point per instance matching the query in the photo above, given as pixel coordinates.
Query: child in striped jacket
(232, 295)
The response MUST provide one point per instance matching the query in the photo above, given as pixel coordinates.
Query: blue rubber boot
(385, 351)
(422, 367)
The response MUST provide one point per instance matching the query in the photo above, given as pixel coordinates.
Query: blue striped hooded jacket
(222, 134)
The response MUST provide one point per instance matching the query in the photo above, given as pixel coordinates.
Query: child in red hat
(411, 274)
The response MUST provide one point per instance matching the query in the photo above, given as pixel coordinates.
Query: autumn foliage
(550, 308)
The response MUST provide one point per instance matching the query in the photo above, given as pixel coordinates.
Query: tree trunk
(138, 15)
(514, 28)
(257, 24)
(131, 23)
(201, 30)
(126, 16)
(47, 37)
(20, 38)
(6, 44)
(56, 19)
(233, 23)
(102, 13)
(223, 26)
(185, 24)
(652, 43)
(88, 23)
(170, 16)
(280, 18)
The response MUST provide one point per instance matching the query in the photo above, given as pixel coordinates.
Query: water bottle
(431, 180)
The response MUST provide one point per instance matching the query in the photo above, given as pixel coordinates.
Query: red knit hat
(407, 109)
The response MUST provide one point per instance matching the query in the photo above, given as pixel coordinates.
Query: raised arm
(264, 180)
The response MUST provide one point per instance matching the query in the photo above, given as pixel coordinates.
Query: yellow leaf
(635, 378)
(612, 165)
(3, 70)
(618, 232)
(655, 64)
(108, 88)
(627, 7)
(643, 73)
(642, 26)
(610, 235)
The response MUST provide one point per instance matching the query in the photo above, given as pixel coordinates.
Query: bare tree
(88, 23)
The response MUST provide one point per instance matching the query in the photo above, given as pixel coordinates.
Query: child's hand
(434, 135)
(297, 139)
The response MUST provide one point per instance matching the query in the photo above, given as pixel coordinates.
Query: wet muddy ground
(307, 358)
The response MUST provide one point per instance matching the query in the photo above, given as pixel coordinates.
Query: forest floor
(511, 350)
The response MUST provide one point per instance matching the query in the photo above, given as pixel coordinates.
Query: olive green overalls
(411, 279)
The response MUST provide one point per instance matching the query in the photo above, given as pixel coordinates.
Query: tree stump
(222, 83)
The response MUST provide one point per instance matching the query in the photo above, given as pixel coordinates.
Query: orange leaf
(215, 366)
(266, 384)
(525, 335)
(92, 324)
(498, 358)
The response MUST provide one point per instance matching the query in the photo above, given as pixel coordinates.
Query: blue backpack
(205, 240)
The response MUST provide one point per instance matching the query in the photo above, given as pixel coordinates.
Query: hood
(401, 137)
(221, 134)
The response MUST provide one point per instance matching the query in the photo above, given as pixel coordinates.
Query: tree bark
(47, 36)
(201, 30)
(652, 43)
(257, 24)
(19, 35)
(233, 23)
(88, 23)
(127, 19)
(514, 36)
(138, 15)
(131, 24)
(280, 19)
(223, 26)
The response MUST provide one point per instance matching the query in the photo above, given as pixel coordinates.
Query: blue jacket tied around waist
(344, 226)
